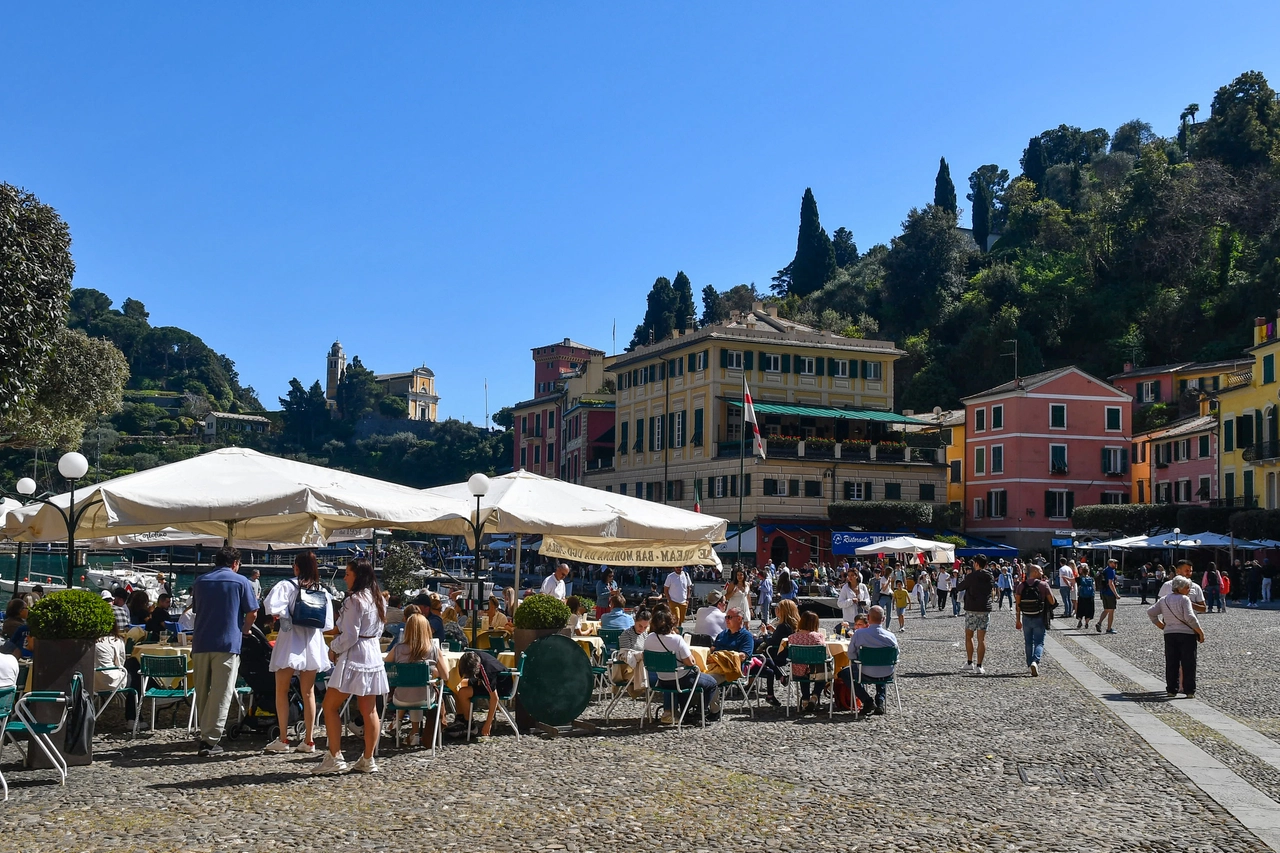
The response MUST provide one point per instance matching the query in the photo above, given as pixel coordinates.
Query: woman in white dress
(299, 650)
(358, 669)
(738, 594)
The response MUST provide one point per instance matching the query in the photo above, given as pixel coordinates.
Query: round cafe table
(163, 650)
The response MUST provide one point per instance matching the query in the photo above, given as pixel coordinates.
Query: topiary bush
(72, 614)
(541, 613)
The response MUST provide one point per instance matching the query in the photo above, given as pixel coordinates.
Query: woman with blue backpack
(306, 612)
(1084, 597)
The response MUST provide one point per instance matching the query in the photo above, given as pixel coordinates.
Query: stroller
(259, 683)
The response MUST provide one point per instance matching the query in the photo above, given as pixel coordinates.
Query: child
(417, 645)
(577, 615)
(901, 600)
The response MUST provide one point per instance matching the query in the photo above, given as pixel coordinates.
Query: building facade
(1037, 447)
(218, 423)
(949, 425)
(417, 387)
(1178, 384)
(561, 431)
(1177, 463)
(1248, 433)
(824, 406)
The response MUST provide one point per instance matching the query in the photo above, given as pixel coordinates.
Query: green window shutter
(831, 367)
(651, 445)
(868, 491)
(746, 485)
(786, 363)
(697, 428)
(733, 485)
(748, 363)
(1124, 460)
(639, 445)
(689, 366)
(724, 357)
(818, 364)
(865, 369)
(706, 356)
(1156, 388)
(793, 488)
(1105, 469)
(1071, 503)
(1269, 368)
(796, 363)
(1048, 504)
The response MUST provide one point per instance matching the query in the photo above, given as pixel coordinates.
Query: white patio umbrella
(169, 536)
(239, 494)
(939, 552)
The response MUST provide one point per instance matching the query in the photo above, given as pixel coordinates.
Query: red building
(566, 376)
(1039, 446)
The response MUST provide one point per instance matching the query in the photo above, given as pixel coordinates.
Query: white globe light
(73, 465)
(478, 485)
(26, 486)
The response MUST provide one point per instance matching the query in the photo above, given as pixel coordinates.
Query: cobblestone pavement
(946, 773)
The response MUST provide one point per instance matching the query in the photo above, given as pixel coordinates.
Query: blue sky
(453, 186)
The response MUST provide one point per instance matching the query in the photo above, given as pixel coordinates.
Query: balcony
(1239, 378)
(600, 464)
(1263, 451)
(1057, 468)
(825, 450)
(1244, 502)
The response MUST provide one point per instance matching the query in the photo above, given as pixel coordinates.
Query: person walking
(764, 597)
(1085, 598)
(943, 587)
(1067, 587)
(299, 649)
(1004, 584)
(225, 609)
(738, 593)
(1182, 632)
(923, 591)
(853, 599)
(358, 669)
(976, 586)
(553, 584)
(1032, 606)
(1195, 593)
(675, 589)
(1144, 578)
(1110, 594)
(1213, 589)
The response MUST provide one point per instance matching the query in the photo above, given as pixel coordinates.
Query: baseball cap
(106, 595)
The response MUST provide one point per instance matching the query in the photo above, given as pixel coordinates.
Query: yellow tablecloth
(590, 626)
(164, 650)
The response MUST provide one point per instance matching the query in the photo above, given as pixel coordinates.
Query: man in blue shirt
(734, 638)
(617, 618)
(874, 636)
(225, 608)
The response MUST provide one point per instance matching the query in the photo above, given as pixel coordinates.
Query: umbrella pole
(516, 583)
(231, 533)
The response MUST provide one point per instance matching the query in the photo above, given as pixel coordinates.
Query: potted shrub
(65, 626)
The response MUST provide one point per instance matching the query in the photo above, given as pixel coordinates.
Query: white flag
(752, 429)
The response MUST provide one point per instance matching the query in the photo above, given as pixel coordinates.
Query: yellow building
(950, 427)
(417, 387)
(1248, 432)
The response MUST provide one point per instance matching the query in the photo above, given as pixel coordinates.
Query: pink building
(1039, 446)
(1177, 463)
(567, 375)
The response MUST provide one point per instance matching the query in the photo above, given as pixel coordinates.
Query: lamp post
(72, 466)
(478, 485)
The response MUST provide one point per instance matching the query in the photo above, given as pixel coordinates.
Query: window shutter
(1155, 390)
(1124, 459)
(831, 367)
(818, 364)
(1071, 503)
(639, 445)
(1048, 504)
(748, 362)
(746, 485)
(868, 491)
(689, 367)
(662, 370)
(724, 357)
(706, 356)
(848, 490)
(1105, 469)
(793, 488)
(865, 369)
(786, 363)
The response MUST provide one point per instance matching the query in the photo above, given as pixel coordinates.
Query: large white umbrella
(168, 536)
(239, 494)
(939, 552)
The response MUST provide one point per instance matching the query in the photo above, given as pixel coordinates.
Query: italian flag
(749, 420)
(697, 494)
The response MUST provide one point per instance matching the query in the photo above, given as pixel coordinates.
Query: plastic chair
(417, 674)
(455, 645)
(23, 722)
(504, 702)
(8, 695)
(609, 636)
(666, 663)
(811, 657)
(747, 685)
(497, 643)
(887, 656)
(172, 668)
(107, 695)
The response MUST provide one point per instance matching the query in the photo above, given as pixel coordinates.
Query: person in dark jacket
(771, 646)
(976, 586)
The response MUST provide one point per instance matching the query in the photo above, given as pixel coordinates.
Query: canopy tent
(1197, 540)
(1115, 544)
(6, 505)
(731, 546)
(168, 536)
(977, 546)
(239, 494)
(939, 552)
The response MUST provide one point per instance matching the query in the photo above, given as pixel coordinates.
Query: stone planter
(54, 663)
(522, 639)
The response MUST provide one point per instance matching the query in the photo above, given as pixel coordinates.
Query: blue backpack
(1084, 588)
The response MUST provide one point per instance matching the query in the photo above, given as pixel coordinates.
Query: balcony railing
(1244, 502)
(848, 451)
(1240, 377)
(600, 464)
(1262, 451)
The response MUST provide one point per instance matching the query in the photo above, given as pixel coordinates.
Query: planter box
(54, 663)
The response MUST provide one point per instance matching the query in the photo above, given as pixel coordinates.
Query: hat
(106, 595)
(714, 597)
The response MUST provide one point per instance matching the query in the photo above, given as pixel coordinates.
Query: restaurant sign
(848, 543)
(629, 552)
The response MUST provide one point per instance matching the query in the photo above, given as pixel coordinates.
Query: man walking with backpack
(976, 586)
(1031, 615)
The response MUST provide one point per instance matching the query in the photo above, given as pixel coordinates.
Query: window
(551, 453)
(815, 549)
(977, 507)
(524, 457)
(893, 491)
(675, 367)
(979, 461)
(872, 370)
(997, 459)
(1058, 503)
(537, 454)
(719, 487)
(1113, 419)
(813, 488)
(957, 471)
(926, 492)
(793, 488)
(771, 487)
(675, 490)
(1057, 459)
(1202, 492)
(1244, 431)
(947, 436)
(648, 491)
(997, 503)
(655, 432)
(537, 424)
(1246, 488)
(624, 382)
(840, 368)
(524, 425)
(677, 430)
(1228, 435)
(855, 491)
(551, 421)
(1182, 450)
(734, 359)
(641, 376)
(979, 420)
(1149, 392)
(639, 489)
(1182, 491)
(1115, 460)
(804, 365)
(622, 445)
(771, 362)
(1229, 486)
(997, 417)
(1268, 369)
(1057, 416)
(700, 360)
(1115, 497)
(1203, 441)
(638, 445)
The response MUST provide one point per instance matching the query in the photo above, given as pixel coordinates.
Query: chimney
(773, 310)
(757, 306)
(1259, 330)
(1128, 367)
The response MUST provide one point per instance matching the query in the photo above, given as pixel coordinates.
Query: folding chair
(497, 642)
(416, 674)
(107, 695)
(504, 703)
(603, 672)
(746, 685)
(162, 669)
(22, 721)
(887, 656)
(666, 663)
(8, 696)
(813, 658)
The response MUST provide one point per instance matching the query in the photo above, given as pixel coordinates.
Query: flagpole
(742, 459)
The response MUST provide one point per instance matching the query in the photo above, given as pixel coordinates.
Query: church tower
(333, 375)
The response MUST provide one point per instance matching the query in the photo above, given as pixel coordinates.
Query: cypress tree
(686, 313)
(981, 215)
(846, 250)
(659, 315)
(944, 190)
(1033, 161)
(815, 259)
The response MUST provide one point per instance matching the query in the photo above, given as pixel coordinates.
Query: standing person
(955, 593)
(853, 599)
(358, 668)
(922, 590)
(675, 589)
(976, 587)
(764, 597)
(1268, 573)
(884, 594)
(1004, 584)
(554, 582)
(605, 587)
(225, 608)
(1255, 583)
(901, 601)
(1067, 585)
(1084, 598)
(1110, 594)
(1195, 593)
(1173, 615)
(1213, 589)
(1031, 615)
(943, 587)
(255, 580)
(299, 649)
(738, 593)
(1144, 578)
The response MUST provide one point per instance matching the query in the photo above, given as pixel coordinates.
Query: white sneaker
(968, 667)
(278, 745)
(365, 765)
(1035, 669)
(979, 671)
(415, 740)
(305, 748)
(332, 764)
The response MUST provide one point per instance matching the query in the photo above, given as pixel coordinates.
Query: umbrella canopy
(940, 552)
(6, 505)
(1115, 544)
(732, 546)
(240, 494)
(169, 536)
(1205, 540)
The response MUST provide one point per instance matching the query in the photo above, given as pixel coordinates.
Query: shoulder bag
(310, 609)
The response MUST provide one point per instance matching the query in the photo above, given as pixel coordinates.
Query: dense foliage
(399, 566)
(1125, 519)
(881, 515)
(71, 614)
(541, 613)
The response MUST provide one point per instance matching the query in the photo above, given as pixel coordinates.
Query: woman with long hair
(418, 646)
(358, 668)
(774, 657)
(738, 593)
(299, 650)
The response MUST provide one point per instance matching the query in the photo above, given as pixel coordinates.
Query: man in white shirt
(554, 584)
(1196, 594)
(8, 670)
(710, 620)
(1067, 582)
(676, 591)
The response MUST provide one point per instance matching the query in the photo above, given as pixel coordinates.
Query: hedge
(881, 515)
(1256, 524)
(1126, 519)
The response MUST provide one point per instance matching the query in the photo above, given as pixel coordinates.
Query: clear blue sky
(454, 184)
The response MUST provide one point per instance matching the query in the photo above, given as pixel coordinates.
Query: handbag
(310, 609)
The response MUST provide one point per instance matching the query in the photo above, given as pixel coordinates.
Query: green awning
(804, 411)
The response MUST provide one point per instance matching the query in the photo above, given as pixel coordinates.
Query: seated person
(452, 626)
(187, 621)
(139, 605)
(121, 670)
(395, 610)
(874, 636)
(665, 638)
(484, 679)
(709, 620)
(577, 615)
(735, 638)
(806, 635)
(159, 616)
(616, 618)
(8, 671)
(633, 638)
(494, 617)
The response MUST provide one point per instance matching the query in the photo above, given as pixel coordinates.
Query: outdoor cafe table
(589, 627)
(838, 648)
(163, 650)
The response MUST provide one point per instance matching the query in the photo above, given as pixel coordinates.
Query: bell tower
(333, 374)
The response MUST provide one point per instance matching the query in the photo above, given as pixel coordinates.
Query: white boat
(126, 575)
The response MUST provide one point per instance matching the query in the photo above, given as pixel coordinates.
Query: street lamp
(72, 466)
(478, 485)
